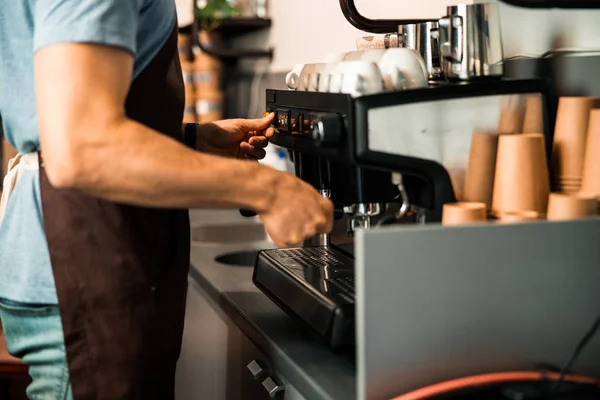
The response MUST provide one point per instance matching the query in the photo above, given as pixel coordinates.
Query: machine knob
(328, 129)
(272, 387)
(257, 370)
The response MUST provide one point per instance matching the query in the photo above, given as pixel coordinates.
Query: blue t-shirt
(139, 26)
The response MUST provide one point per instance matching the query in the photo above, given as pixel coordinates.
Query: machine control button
(328, 129)
(257, 370)
(272, 387)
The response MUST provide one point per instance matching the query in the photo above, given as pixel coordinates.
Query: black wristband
(190, 133)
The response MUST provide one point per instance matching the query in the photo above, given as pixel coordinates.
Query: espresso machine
(384, 153)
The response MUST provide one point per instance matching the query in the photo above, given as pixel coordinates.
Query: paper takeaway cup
(563, 206)
(463, 213)
(591, 165)
(479, 179)
(517, 216)
(209, 106)
(204, 62)
(570, 136)
(512, 112)
(533, 120)
(521, 181)
(189, 114)
(187, 69)
(184, 46)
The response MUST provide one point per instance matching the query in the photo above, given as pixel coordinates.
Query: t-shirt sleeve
(107, 22)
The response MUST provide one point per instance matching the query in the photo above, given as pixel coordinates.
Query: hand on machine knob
(296, 212)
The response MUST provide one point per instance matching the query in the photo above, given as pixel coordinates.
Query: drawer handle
(272, 387)
(257, 370)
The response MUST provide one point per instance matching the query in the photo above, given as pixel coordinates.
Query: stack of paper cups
(512, 114)
(564, 206)
(479, 179)
(189, 114)
(521, 181)
(207, 75)
(570, 137)
(533, 121)
(590, 184)
(209, 106)
(463, 213)
(207, 69)
(184, 47)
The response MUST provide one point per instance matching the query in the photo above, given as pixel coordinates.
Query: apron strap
(16, 167)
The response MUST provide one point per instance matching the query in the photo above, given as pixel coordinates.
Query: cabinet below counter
(238, 344)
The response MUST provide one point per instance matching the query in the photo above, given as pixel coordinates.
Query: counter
(301, 359)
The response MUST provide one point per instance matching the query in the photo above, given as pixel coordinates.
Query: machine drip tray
(315, 286)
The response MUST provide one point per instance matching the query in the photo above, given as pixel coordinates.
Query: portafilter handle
(248, 213)
(325, 238)
(322, 239)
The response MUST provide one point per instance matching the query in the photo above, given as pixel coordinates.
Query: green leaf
(218, 9)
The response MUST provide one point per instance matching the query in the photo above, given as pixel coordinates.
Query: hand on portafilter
(296, 212)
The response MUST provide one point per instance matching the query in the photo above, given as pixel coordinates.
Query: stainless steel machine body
(421, 305)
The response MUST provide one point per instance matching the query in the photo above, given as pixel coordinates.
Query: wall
(308, 30)
(533, 32)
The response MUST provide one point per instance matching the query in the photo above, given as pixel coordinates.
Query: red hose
(489, 379)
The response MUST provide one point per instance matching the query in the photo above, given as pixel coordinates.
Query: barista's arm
(237, 138)
(83, 70)
(88, 143)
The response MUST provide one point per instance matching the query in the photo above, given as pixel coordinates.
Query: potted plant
(211, 12)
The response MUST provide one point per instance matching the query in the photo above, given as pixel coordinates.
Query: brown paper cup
(479, 179)
(187, 69)
(184, 46)
(570, 135)
(521, 181)
(209, 106)
(189, 116)
(563, 206)
(567, 189)
(571, 185)
(517, 216)
(591, 166)
(463, 213)
(183, 39)
(204, 62)
(534, 114)
(566, 181)
(511, 115)
(207, 80)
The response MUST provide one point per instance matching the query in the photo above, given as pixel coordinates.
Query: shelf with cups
(509, 173)
(236, 26)
(227, 29)
(209, 62)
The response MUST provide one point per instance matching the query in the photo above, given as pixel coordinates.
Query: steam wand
(405, 206)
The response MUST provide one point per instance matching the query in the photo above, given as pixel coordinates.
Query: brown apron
(121, 271)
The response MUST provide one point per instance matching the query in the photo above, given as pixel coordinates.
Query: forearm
(136, 165)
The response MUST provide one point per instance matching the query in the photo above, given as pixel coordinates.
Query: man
(94, 243)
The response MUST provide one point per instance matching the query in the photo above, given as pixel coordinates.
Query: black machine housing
(327, 135)
(344, 141)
